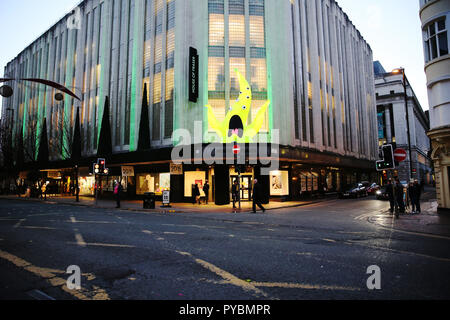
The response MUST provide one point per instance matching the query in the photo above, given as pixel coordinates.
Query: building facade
(392, 125)
(305, 57)
(435, 18)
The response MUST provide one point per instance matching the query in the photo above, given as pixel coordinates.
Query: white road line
(19, 223)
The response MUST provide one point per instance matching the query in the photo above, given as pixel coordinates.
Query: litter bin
(149, 200)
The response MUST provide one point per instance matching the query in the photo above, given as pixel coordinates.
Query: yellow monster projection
(234, 128)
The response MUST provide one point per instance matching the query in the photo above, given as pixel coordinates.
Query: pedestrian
(117, 192)
(235, 193)
(206, 191)
(257, 195)
(398, 193)
(417, 192)
(411, 196)
(196, 194)
(390, 193)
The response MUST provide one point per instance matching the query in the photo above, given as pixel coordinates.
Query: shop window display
(152, 182)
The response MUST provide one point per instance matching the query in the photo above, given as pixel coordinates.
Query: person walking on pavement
(196, 194)
(398, 193)
(206, 191)
(416, 193)
(117, 192)
(390, 193)
(257, 195)
(235, 193)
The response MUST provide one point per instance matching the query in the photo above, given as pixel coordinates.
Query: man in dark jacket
(390, 193)
(257, 196)
(416, 192)
(235, 193)
(398, 192)
(206, 191)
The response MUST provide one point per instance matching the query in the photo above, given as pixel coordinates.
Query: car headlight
(378, 192)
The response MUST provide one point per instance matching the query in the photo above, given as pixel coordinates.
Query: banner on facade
(127, 171)
(380, 125)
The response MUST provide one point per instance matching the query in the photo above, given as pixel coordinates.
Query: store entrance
(246, 184)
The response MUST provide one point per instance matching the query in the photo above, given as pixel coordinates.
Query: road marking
(54, 281)
(37, 228)
(79, 238)
(175, 233)
(19, 223)
(108, 245)
(39, 295)
(228, 277)
(302, 286)
(350, 242)
(147, 232)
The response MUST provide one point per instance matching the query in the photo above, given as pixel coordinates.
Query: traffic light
(100, 167)
(388, 159)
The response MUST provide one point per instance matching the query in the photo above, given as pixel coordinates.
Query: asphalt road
(320, 251)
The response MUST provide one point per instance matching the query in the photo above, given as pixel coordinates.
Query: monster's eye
(244, 107)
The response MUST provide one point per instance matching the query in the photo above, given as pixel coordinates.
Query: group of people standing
(399, 200)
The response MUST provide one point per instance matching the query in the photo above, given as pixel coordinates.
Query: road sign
(399, 155)
(236, 149)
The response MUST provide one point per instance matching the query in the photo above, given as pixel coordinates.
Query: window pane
(443, 44)
(256, 31)
(441, 25)
(216, 74)
(236, 63)
(259, 75)
(218, 107)
(216, 30)
(237, 30)
(256, 105)
(434, 53)
(432, 29)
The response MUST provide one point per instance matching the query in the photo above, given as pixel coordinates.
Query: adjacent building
(393, 127)
(435, 17)
(305, 57)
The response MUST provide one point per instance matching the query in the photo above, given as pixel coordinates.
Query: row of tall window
(159, 62)
(236, 41)
(342, 64)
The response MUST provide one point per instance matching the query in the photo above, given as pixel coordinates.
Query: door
(245, 183)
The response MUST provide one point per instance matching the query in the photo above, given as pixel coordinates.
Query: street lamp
(402, 71)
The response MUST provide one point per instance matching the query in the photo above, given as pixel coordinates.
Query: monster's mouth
(236, 127)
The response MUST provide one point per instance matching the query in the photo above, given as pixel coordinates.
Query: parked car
(381, 194)
(359, 190)
(373, 188)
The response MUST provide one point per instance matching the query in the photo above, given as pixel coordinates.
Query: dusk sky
(392, 29)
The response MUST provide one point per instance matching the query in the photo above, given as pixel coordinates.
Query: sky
(391, 27)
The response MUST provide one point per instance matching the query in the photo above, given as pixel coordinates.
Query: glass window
(237, 30)
(216, 74)
(436, 40)
(239, 64)
(258, 75)
(257, 31)
(218, 107)
(256, 105)
(216, 30)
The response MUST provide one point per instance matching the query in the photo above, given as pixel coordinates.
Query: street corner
(427, 223)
